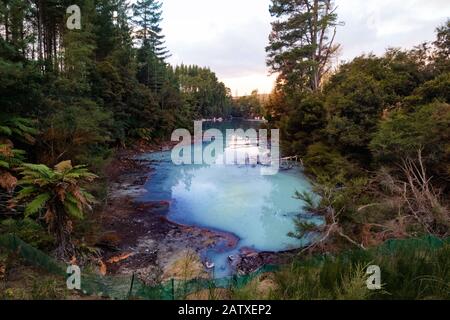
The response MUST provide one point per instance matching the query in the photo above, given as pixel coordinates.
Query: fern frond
(37, 170)
(73, 210)
(37, 204)
(4, 164)
(5, 130)
(26, 193)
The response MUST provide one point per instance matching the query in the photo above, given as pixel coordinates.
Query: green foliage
(20, 86)
(58, 191)
(17, 127)
(48, 289)
(28, 230)
(403, 134)
(347, 199)
(203, 95)
(304, 229)
(9, 157)
(301, 43)
(410, 270)
(441, 59)
(327, 164)
(37, 204)
(304, 122)
(248, 106)
(356, 97)
(308, 199)
(355, 104)
(311, 283)
(147, 17)
(436, 89)
(373, 114)
(77, 131)
(99, 87)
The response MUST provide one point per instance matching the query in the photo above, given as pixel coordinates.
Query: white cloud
(374, 25)
(230, 36)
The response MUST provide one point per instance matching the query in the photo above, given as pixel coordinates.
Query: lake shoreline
(145, 241)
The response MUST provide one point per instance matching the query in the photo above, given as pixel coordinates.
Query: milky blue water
(258, 209)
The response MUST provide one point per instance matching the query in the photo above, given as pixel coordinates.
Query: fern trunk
(61, 228)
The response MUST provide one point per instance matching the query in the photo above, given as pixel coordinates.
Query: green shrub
(29, 231)
(327, 164)
(402, 135)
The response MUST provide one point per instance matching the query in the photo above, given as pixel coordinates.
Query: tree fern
(57, 191)
(11, 128)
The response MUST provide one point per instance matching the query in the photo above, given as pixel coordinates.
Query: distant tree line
(250, 106)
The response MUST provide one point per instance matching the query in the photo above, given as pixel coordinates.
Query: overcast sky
(229, 36)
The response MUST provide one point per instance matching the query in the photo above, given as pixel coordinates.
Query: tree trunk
(39, 27)
(6, 25)
(65, 249)
(314, 58)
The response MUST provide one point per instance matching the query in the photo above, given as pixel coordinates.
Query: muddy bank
(139, 238)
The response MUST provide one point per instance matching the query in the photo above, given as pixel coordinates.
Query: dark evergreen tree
(302, 41)
(152, 52)
(147, 17)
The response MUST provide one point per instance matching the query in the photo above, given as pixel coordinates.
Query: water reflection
(237, 199)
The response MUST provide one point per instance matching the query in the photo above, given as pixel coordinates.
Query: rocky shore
(138, 238)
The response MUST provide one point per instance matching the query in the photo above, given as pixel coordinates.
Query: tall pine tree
(302, 41)
(152, 52)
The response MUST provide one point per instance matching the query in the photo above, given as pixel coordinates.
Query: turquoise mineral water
(258, 209)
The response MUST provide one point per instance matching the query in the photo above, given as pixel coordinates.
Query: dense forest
(374, 136)
(92, 89)
(374, 132)
(70, 97)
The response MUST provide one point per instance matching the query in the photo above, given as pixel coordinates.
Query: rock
(146, 245)
(249, 263)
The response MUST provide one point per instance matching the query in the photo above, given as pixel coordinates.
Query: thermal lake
(238, 199)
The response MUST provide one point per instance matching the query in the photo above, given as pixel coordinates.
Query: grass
(411, 269)
(413, 272)
(19, 281)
